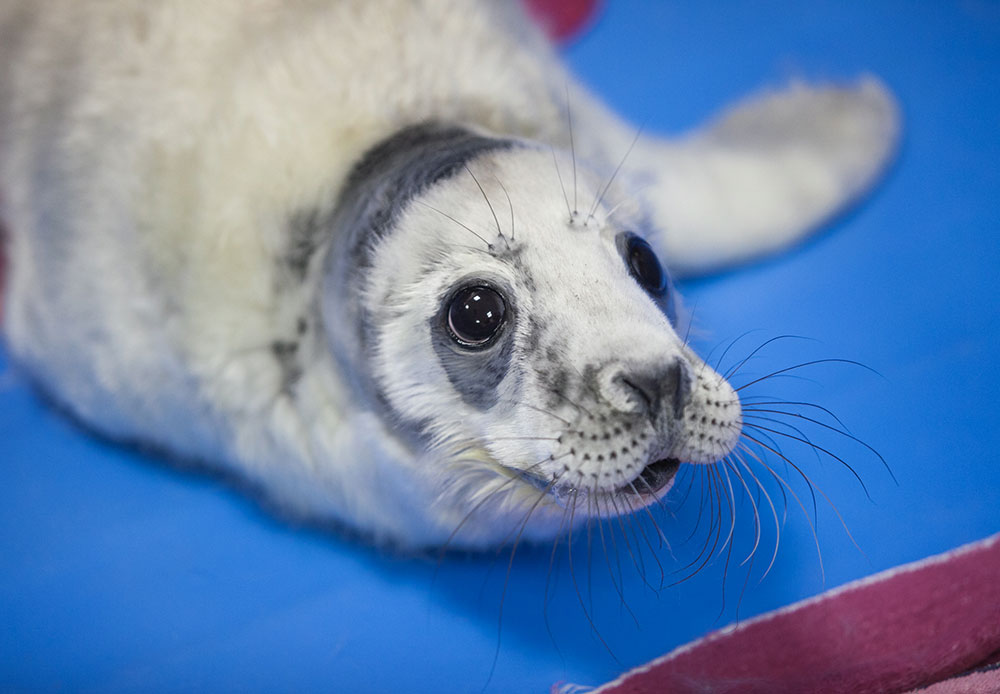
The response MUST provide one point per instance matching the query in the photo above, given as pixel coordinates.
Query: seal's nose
(662, 388)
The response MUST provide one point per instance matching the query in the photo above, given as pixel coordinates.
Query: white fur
(151, 153)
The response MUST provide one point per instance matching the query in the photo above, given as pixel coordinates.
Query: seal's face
(531, 355)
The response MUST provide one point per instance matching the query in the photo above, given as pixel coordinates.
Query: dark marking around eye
(474, 370)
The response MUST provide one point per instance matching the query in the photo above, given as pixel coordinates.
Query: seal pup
(352, 252)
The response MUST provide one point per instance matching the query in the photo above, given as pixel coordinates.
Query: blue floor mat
(119, 573)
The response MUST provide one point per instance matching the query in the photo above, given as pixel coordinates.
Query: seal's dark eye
(645, 266)
(475, 315)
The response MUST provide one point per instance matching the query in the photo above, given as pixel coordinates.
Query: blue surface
(121, 574)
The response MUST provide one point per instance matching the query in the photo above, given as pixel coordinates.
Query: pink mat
(933, 625)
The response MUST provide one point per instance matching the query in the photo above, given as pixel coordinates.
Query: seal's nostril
(640, 390)
(661, 386)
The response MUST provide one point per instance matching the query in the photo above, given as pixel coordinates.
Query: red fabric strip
(561, 19)
(905, 628)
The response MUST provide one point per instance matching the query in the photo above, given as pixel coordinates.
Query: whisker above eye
(464, 226)
(488, 204)
(572, 148)
(614, 174)
(569, 210)
(509, 204)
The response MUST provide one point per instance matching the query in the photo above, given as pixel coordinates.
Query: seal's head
(528, 355)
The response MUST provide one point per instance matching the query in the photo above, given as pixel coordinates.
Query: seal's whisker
(728, 544)
(492, 495)
(569, 210)
(590, 562)
(727, 462)
(616, 584)
(604, 191)
(510, 564)
(657, 499)
(620, 584)
(660, 539)
(701, 503)
(572, 147)
(488, 204)
(636, 561)
(805, 364)
(645, 537)
(721, 472)
(784, 497)
(735, 369)
(464, 226)
(759, 403)
(770, 439)
(783, 482)
(774, 511)
(631, 198)
(829, 501)
(641, 539)
(548, 577)
(639, 531)
(716, 364)
(705, 553)
(477, 249)
(689, 317)
(687, 490)
(786, 462)
(747, 415)
(751, 558)
(509, 205)
(817, 447)
(576, 585)
(843, 432)
(714, 529)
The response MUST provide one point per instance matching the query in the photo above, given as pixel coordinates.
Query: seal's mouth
(642, 490)
(653, 478)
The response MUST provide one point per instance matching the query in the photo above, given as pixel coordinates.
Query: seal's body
(327, 246)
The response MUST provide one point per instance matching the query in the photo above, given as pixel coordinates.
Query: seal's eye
(645, 266)
(475, 315)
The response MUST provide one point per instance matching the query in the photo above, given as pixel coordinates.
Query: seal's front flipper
(768, 171)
